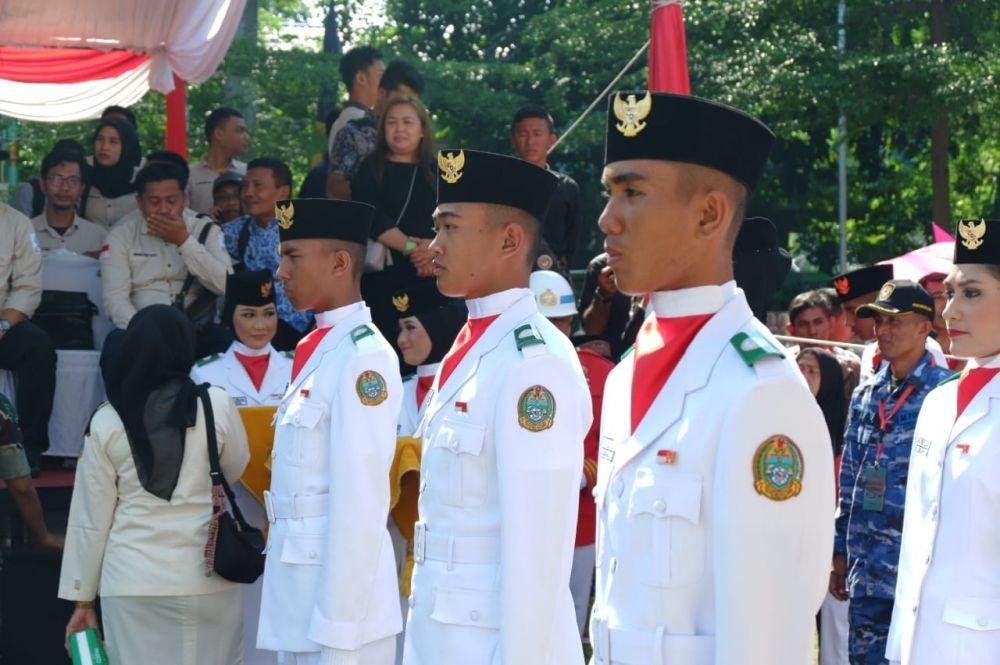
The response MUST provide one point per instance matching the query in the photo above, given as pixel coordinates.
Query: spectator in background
(59, 227)
(606, 312)
(841, 330)
(25, 349)
(314, 184)
(859, 287)
(149, 255)
(934, 284)
(109, 193)
(172, 158)
(252, 240)
(361, 70)
(121, 113)
(356, 139)
(760, 264)
(29, 196)
(139, 522)
(532, 133)
(227, 204)
(811, 316)
(875, 464)
(399, 180)
(227, 137)
(554, 296)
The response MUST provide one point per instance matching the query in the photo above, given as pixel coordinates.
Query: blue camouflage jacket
(868, 536)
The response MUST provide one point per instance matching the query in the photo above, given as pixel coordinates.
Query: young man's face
(812, 323)
(233, 135)
(532, 139)
(939, 292)
(467, 249)
(226, 200)
(366, 82)
(260, 193)
(164, 197)
(864, 329)
(306, 267)
(63, 185)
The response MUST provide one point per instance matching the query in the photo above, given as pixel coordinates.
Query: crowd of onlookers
(167, 231)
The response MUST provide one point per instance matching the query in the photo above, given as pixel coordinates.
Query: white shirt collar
(693, 301)
(244, 350)
(990, 362)
(428, 370)
(335, 316)
(495, 303)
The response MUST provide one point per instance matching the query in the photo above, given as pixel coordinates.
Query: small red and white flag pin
(962, 448)
(666, 456)
(461, 407)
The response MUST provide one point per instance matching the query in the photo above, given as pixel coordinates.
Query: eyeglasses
(57, 180)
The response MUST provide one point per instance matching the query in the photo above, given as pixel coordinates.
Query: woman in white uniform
(947, 606)
(255, 375)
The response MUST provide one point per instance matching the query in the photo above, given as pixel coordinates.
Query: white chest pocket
(457, 465)
(665, 513)
(298, 426)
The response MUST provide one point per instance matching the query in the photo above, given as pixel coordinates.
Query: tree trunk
(940, 135)
(331, 44)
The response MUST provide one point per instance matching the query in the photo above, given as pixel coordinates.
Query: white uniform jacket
(411, 413)
(330, 578)
(500, 487)
(225, 370)
(948, 589)
(695, 564)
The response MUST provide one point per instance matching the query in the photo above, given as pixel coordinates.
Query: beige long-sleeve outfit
(144, 555)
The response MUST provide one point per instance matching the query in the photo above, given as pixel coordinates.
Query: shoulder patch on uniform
(208, 359)
(536, 409)
(362, 331)
(371, 388)
(752, 347)
(526, 335)
(777, 468)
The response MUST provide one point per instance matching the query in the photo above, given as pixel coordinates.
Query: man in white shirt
(59, 227)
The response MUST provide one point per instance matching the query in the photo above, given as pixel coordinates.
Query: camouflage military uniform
(869, 519)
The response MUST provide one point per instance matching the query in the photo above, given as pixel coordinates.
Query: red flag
(668, 68)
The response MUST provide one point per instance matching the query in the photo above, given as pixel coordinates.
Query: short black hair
(122, 111)
(216, 118)
(533, 111)
(399, 73)
(57, 157)
(171, 157)
(832, 298)
(808, 300)
(71, 146)
(279, 170)
(358, 58)
(157, 172)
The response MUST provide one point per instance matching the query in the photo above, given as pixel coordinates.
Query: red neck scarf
(971, 383)
(467, 336)
(255, 366)
(304, 349)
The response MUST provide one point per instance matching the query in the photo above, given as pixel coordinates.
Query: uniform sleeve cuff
(344, 635)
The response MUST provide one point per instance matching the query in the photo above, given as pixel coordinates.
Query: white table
(65, 271)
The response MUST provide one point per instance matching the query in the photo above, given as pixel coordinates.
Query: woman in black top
(398, 178)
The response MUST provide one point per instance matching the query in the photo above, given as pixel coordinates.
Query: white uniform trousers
(833, 628)
(380, 652)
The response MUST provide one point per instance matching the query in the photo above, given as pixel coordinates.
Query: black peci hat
(329, 219)
(422, 297)
(253, 288)
(862, 281)
(977, 241)
(680, 128)
(898, 297)
(473, 176)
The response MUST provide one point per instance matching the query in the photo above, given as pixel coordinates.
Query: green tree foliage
(774, 58)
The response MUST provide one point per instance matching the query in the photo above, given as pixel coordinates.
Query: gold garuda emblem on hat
(632, 113)
(285, 215)
(972, 233)
(265, 289)
(401, 303)
(548, 298)
(451, 166)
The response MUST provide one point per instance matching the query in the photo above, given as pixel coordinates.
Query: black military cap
(978, 241)
(418, 299)
(227, 178)
(329, 219)
(862, 281)
(898, 297)
(253, 288)
(681, 128)
(473, 176)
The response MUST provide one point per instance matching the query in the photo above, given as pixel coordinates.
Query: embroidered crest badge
(886, 291)
(631, 114)
(536, 409)
(777, 468)
(451, 166)
(972, 233)
(285, 215)
(371, 389)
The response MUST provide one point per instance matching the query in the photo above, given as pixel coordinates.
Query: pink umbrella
(919, 263)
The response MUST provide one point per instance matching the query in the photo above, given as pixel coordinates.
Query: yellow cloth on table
(259, 424)
(404, 491)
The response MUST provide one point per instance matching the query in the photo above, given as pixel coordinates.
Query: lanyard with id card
(873, 479)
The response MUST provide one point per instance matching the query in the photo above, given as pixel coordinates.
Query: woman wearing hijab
(947, 606)
(142, 504)
(110, 194)
(255, 375)
(825, 377)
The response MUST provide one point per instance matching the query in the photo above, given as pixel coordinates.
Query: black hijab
(151, 390)
(115, 181)
(442, 325)
(830, 397)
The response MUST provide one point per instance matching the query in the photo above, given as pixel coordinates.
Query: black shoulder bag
(202, 311)
(234, 549)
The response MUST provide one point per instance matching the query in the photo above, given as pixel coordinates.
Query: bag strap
(189, 280)
(213, 456)
(242, 242)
